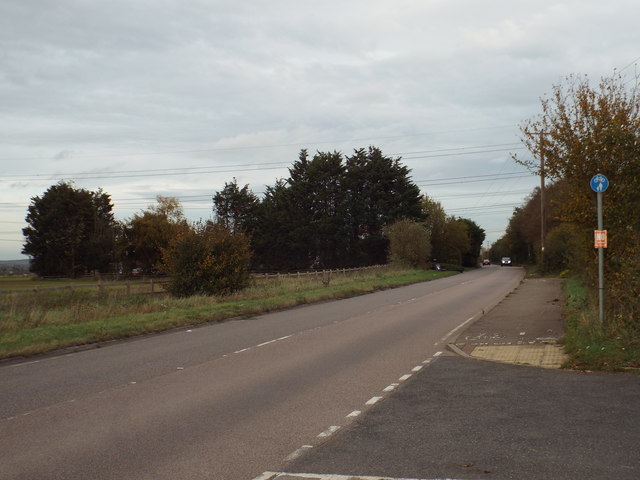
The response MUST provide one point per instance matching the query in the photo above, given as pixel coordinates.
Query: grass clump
(591, 345)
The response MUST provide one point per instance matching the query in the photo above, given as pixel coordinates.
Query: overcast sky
(177, 97)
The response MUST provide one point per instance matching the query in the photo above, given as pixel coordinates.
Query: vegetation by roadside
(593, 346)
(33, 323)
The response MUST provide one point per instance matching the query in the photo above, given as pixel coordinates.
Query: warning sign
(600, 237)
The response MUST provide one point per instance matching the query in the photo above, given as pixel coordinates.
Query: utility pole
(543, 214)
(542, 209)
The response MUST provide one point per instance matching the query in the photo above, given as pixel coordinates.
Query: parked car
(505, 262)
(486, 261)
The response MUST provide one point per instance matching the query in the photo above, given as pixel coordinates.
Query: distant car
(505, 262)
(486, 261)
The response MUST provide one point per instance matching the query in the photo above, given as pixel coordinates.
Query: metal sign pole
(600, 263)
(599, 183)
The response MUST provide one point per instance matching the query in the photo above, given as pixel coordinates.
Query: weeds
(591, 345)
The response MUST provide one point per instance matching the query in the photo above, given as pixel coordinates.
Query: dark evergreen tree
(380, 192)
(236, 208)
(71, 231)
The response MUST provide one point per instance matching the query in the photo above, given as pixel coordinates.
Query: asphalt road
(231, 400)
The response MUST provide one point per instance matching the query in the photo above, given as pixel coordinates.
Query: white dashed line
(391, 387)
(405, 377)
(373, 400)
(416, 368)
(354, 414)
(329, 431)
(297, 453)
(437, 354)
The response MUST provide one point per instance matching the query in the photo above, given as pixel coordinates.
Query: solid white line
(373, 400)
(243, 350)
(405, 377)
(451, 332)
(325, 476)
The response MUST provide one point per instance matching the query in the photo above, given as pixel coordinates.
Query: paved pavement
(462, 417)
(522, 329)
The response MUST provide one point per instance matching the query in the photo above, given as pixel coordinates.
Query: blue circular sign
(599, 183)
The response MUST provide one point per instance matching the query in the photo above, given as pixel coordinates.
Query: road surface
(228, 401)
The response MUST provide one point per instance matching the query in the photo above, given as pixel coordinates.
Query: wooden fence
(156, 285)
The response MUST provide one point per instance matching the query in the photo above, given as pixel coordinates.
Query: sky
(176, 97)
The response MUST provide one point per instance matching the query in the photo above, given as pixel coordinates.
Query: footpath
(486, 410)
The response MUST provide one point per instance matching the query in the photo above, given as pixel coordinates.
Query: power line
(237, 167)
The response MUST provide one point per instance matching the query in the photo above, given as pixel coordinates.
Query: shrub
(409, 243)
(207, 259)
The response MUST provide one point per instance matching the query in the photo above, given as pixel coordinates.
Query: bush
(409, 243)
(207, 259)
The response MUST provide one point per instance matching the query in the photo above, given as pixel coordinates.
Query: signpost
(599, 183)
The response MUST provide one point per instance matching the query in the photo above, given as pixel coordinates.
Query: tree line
(582, 131)
(332, 211)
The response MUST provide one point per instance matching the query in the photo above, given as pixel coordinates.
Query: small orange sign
(600, 238)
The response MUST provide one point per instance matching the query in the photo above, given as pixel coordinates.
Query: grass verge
(33, 323)
(590, 345)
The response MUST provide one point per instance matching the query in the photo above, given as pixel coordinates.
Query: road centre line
(263, 344)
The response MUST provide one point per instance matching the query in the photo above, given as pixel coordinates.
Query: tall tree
(70, 232)
(435, 222)
(150, 231)
(380, 192)
(471, 257)
(236, 208)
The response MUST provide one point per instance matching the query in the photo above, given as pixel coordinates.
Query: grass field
(38, 322)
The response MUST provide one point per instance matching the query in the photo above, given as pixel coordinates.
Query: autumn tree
(70, 231)
(409, 243)
(148, 232)
(435, 222)
(581, 131)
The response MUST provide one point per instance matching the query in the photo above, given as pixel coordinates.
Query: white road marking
(416, 368)
(425, 362)
(297, 453)
(329, 431)
(325, 476)
(354, 414)
(373, 400)
(405, 377)
(437, 354)
(451, 332)
(391, 387)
